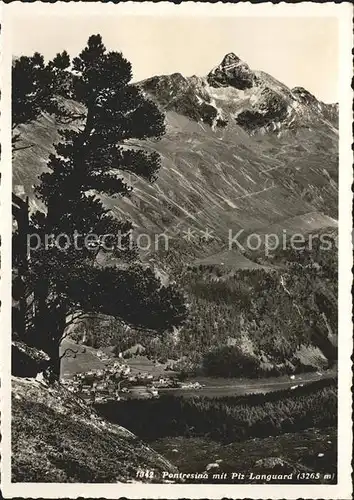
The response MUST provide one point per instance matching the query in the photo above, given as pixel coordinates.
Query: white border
(343, 490)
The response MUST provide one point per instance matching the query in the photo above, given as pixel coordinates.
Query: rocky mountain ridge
(232, 92)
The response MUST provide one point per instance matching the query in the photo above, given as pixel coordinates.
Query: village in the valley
(117, 381)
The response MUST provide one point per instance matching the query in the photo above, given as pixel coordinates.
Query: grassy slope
(86, 359)
(57, 438)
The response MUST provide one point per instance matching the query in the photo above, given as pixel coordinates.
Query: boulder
(273, 465)
(212, 466)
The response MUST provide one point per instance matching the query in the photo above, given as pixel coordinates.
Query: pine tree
(35, 89)
(69, 282)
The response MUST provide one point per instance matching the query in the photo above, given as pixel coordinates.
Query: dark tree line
(229, 418)
(60, 284)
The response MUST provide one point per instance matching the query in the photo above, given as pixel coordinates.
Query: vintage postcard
(176, 250)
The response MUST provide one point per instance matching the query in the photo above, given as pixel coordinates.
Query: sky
(297, 51)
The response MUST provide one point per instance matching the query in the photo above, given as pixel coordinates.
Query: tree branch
(20, 148)
(74, 351)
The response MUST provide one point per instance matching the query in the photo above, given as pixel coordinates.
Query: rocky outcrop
(314, 106)
(56, 437)
(273, 465)
(186, 96)
(271, 108)
(303, 95)
(166, 87)
(232, 72)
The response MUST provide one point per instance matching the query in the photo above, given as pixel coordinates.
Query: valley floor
(220, 387)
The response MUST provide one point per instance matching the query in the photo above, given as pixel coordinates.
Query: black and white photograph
(176, 264)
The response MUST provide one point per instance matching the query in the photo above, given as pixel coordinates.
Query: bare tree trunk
(49, 327)
(54, 335)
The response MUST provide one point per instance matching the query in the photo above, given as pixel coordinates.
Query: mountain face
(232, 72)
(232, 92)
(242, 152)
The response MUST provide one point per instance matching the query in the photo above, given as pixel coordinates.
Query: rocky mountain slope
(56, 437)
(241, 151)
